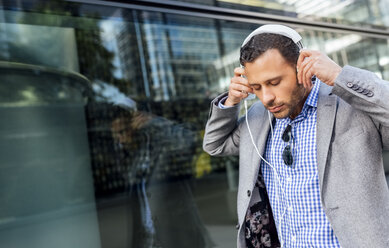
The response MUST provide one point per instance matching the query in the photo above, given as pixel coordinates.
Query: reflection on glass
(119, 155)
(350, 12)
(54, 47)
(46, 186)
(148, 149)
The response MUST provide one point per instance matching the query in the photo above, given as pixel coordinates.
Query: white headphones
(292, 34)
(276, 29)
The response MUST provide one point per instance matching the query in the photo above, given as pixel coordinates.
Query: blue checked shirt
(298, 213)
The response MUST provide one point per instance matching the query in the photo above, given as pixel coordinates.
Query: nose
(267, 97)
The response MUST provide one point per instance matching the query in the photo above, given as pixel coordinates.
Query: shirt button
(237, 226)
(370, 94)
(360, 90)
(350, 85)
(293, 238)
(289, 179)
(248, 193)
(290, 208)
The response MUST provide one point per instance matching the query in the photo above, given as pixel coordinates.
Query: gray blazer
(352, 130)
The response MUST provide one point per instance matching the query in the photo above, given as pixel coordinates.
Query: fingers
(306, 72)
(302, 62)
(304, 53)
(301, 58)
(239, 71)
(316, 63)
(236, 96)
(239, 88)
(241, 83)
(305, 66)
(302, 69)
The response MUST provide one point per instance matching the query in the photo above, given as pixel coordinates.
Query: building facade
(104, 105)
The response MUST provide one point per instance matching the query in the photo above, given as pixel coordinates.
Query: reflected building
(175, 59)
(130, 44)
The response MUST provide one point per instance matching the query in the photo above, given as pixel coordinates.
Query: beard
(294, 106)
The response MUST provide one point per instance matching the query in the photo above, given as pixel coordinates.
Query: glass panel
(351, 12)
(46, 185)
(104, 118)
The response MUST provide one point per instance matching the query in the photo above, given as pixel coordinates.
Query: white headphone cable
(292, 34)
(271, 166)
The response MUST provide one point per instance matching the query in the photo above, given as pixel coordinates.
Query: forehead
(269, 65)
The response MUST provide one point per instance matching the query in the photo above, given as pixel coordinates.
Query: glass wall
(368, 13)
(103, 114)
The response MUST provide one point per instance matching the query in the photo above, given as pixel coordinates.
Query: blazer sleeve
(221, 136)
(366, 92)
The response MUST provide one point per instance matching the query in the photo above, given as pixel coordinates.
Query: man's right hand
(239, 88)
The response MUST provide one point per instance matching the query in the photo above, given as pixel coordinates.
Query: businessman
(321, 130)
(146, 146)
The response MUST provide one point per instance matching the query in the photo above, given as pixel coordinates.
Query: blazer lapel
(326, 111)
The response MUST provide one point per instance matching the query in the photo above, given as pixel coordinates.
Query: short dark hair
(260, 43)
(119, 112)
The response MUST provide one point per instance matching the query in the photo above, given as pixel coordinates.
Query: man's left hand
(311, 62)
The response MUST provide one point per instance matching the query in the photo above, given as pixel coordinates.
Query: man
(151, 154)
(322, 162)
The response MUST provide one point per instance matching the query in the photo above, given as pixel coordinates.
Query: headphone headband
(276, 29)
